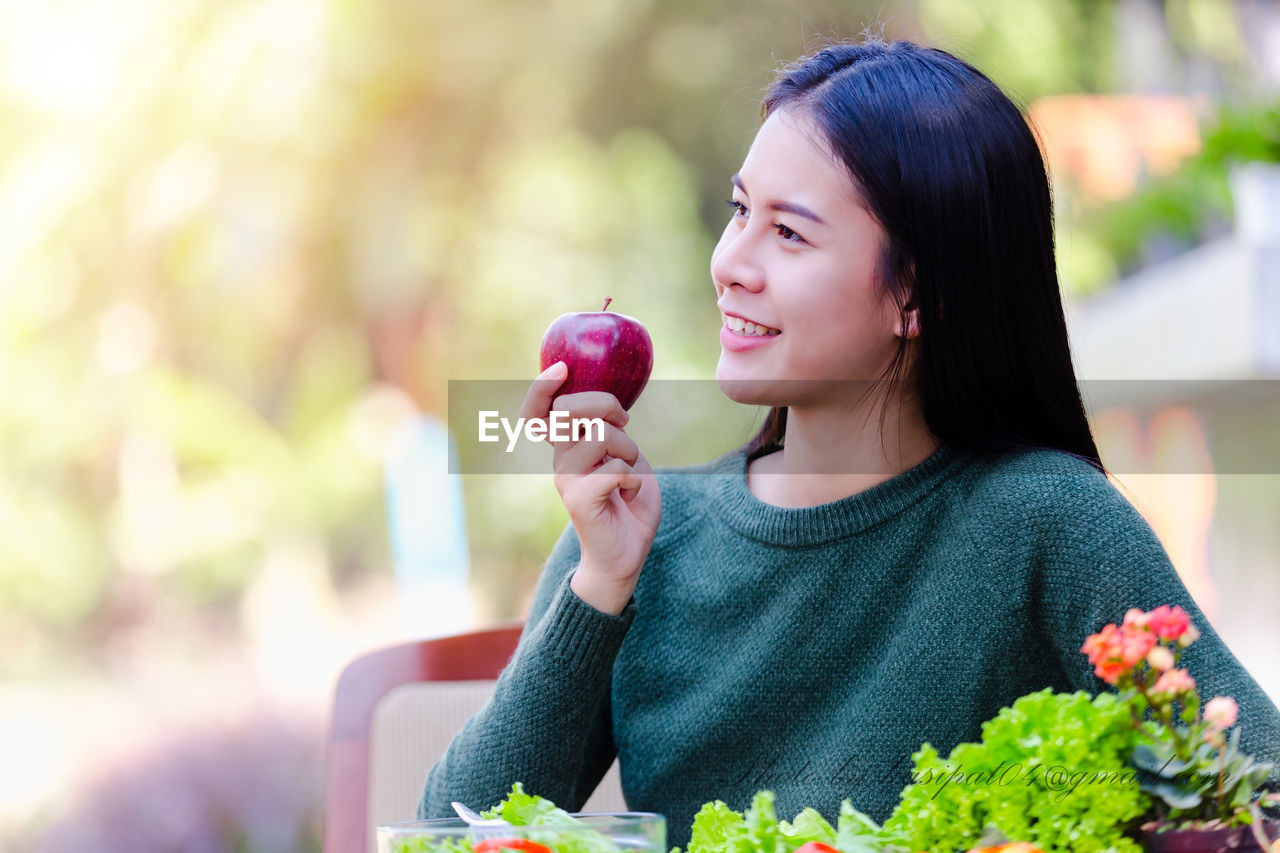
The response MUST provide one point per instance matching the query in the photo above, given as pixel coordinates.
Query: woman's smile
(741, 341)
(743, 326)
(740, 334)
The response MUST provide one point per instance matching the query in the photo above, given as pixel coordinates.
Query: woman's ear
(909, 321)
(909, 327)
(909, 315)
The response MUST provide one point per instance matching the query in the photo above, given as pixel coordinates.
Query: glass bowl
(617, 832)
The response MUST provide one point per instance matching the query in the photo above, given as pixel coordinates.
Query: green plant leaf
(1176, 796)
(1160, 761)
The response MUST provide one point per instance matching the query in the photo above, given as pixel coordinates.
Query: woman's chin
(751, 390)
(744, 391)
(754, 390)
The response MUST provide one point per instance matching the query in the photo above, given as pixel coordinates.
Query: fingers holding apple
(585, 456)
(581, 455)
(592, 404)
(594, 365)
(546, 385)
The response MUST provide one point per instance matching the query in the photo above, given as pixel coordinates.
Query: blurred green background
(241, 241)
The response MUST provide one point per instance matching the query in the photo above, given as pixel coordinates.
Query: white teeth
(744, 327)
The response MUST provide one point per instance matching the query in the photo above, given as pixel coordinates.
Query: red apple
(604, 352)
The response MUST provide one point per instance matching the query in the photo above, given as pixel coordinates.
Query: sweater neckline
(814, 525)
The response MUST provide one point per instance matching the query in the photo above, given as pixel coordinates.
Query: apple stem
(607, 300)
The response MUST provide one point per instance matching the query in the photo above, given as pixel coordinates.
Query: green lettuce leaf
(715, 826)
(521, 809)
(762, 825)
(719, 829)
(524, 809)
(807, 826)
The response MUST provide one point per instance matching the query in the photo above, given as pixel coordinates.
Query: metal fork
(473, 818)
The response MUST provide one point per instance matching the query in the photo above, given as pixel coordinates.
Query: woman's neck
(831, 453)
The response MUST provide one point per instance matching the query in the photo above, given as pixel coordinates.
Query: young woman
(921, 533)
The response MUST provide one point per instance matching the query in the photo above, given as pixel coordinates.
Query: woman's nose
(734, 262)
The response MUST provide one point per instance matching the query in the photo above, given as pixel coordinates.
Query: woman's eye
(787, 234)
(740, 210)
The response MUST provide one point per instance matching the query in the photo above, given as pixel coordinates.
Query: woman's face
(798, 258)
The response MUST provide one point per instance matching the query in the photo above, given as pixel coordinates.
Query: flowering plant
(1194, 771)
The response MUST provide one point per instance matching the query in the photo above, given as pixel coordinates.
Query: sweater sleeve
(548, 723)
(1098, 558)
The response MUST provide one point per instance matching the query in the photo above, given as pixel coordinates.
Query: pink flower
(1160, 658)
(1189, 636)
(1135, 618)
(1173, 683)
(1221, 712)
(1169, 623)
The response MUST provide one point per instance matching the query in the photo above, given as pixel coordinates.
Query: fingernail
(625, 418)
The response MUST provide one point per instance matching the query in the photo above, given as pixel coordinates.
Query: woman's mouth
(747, 328)
(739, 335)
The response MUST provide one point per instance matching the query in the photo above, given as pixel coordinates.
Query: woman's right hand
(608, 487)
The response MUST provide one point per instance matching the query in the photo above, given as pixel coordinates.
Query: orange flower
(1115, 651)
(1102, 645)
(1110, 671)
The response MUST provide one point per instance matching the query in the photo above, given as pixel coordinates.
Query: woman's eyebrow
(782, 206)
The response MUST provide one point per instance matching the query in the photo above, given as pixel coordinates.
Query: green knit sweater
(811, 651)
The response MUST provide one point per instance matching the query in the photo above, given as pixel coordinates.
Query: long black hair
(947, 164)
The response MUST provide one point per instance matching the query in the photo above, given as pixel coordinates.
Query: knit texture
(811, 651)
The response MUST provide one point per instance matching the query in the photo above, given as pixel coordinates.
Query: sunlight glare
(71, 60)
